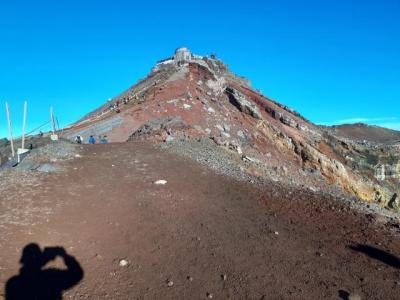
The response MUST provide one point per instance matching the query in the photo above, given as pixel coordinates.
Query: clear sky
(334, 61)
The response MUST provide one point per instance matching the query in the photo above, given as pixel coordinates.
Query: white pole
(10, 129)
(52, 119)
(24, 125)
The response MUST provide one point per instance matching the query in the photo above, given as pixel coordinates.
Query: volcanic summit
(188, 96)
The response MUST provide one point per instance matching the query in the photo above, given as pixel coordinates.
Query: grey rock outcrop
(276, 114)
(394, 202)
(244, 105)
(387, 171)
(288, 121)
(158, 126)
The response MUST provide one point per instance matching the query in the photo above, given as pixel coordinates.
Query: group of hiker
(115, 107)
(92, 140)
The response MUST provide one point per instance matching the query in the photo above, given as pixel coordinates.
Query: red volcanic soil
(366, 132)
(199, 236)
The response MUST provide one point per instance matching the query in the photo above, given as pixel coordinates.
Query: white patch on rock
(160, 182)
(249, 159)
(173, 101)
(235, 146)
(169, 139)
(123, 263)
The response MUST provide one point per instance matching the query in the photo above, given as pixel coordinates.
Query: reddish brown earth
(366, 132)
(271, 243)
(203, 99)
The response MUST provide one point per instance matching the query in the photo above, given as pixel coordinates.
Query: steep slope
(190, 96)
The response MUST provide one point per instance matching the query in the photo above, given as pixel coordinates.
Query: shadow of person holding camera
(36, 282)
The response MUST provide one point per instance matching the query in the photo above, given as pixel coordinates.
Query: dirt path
(209, 235)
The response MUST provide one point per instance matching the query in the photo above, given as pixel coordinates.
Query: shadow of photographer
(36, 282)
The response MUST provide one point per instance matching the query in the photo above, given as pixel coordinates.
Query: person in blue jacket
(92, 140)
(104, 140)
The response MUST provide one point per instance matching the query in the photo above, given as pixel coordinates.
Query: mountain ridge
(190, 96)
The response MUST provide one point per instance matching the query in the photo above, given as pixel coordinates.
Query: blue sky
(333, 61)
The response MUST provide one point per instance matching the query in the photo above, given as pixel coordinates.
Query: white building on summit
(182, 56)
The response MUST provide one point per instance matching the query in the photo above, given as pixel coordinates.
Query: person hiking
(104, 140)
(78, 139)
(92, 140)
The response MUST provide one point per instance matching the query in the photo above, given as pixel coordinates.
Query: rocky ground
(227, 162)
(197, 235)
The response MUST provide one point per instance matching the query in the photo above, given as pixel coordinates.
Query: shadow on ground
(377, 254)
(36, 282)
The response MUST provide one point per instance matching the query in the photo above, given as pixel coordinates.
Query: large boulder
(394, 202)
(276, 114)
(285, 119)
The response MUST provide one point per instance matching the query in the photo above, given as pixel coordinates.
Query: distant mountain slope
(366, 132)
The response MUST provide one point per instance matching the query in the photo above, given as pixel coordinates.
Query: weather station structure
(182, 57)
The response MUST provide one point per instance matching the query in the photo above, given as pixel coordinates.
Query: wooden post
(52, 119)
(10, 129)
(24, 125)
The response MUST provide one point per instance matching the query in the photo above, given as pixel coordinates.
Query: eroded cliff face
(377, 163)
(201, 98)
(385, 171)
(337, 163)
